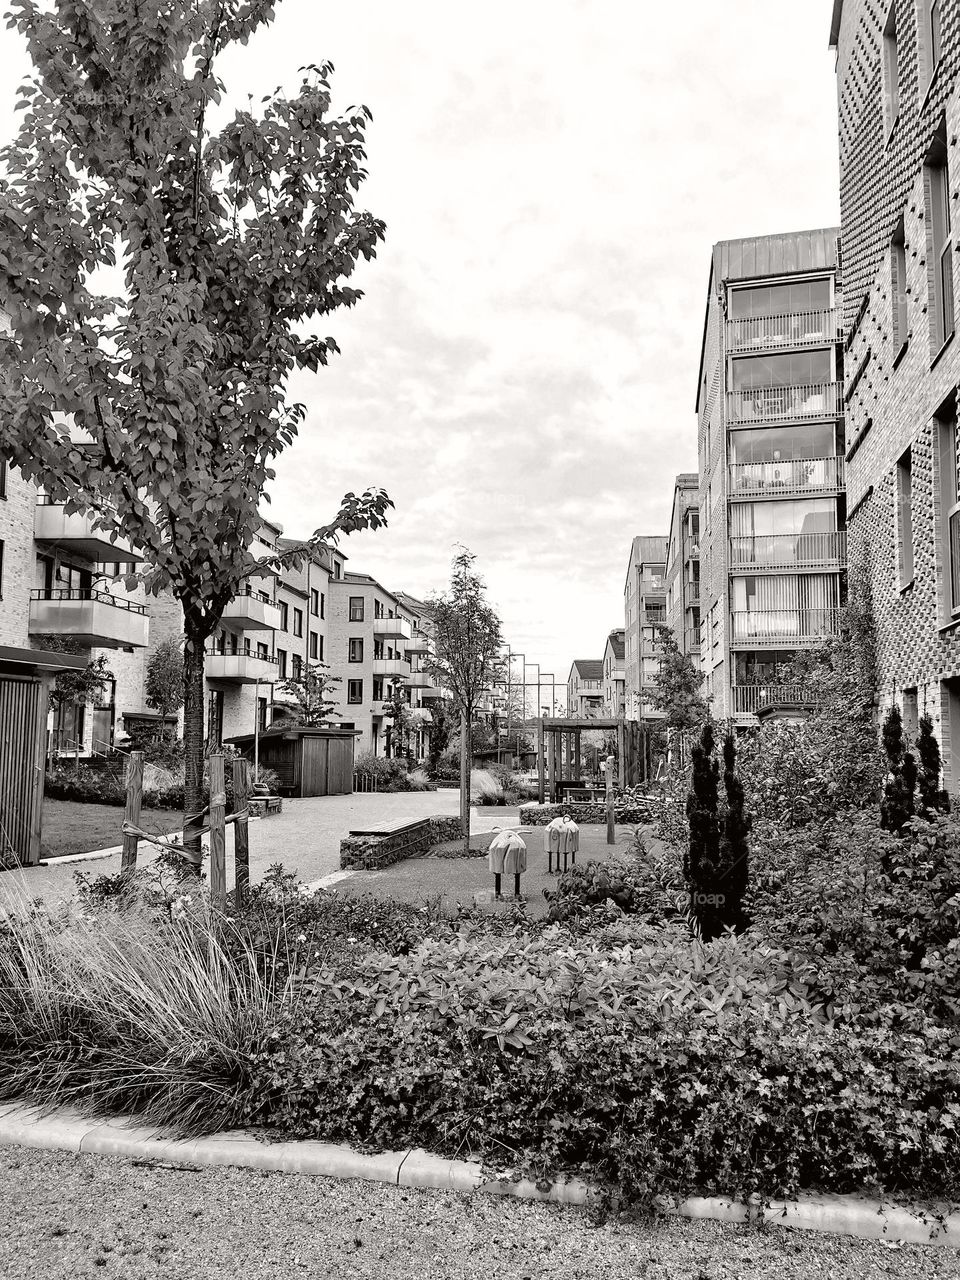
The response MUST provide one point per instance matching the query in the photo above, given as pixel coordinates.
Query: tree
(441, 729)
(227, 245)
(676, 686)
(933, 799)
(466, 659)
(75, 688)
(311, 691)
(703, 852)
(163, 685)
(716, 866)
(398, 710)
(897, 805)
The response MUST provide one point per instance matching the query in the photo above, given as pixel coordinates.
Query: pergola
(560, 762)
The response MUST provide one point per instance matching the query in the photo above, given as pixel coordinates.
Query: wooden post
(241, 841)
(552, 756)
(577, 759)
(465, 781)
(541, 763)
(128, 858)
(608, 772)
(622, 749)
(218, 833)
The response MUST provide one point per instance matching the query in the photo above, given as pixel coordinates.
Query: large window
(354, 690)
(791, 369)
(946, 425)
(781, 606)
(780, 299)
(936, 181)
(356, 650)
(298, 622)
(284, 616)
(771, 444)
(314, 646)
(801, 515)
(282, 663)
(891, 69)
(929, 40)
(898, 290)
(315, 602)
(356, 608)
(905, 520)
(296, 667)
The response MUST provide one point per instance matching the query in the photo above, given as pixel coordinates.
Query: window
(314, 646)
(898, 290)
(356, 650)
(354, 690)
(262, 650)
(911, 717)
(378, 608)
(928, 41)
(905, 520)
(356, 608)
(296, 667)
(320, 652)
(946, 427)
(377, 649)
(262, 713)
(936, 184)
(314, 602)
(3, 477)
(796, 369)
(298, 622)
(1, 569)
(337, 568)
(891, 69)
(323, 604)
(282, 663)
(378, 689)
(780, 299)
(284, 612)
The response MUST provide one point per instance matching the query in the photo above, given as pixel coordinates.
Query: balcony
(778, 626)
(774, 404)
(95, 619)
(691, 640)
(77, 533)
(391, 668)
(394, 628)
(241, 666)
(691, 593)
(801, 329)
(421, 680)
(747, 698)
(781, 479)
(787, 550)
(252, 611)
(419, 642)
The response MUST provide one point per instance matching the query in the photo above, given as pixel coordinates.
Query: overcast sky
(521, 372)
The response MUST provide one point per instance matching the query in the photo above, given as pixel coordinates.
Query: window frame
(355, 649)
(891, 70)
(355, 608)
(298, 622)
(899, 309)
(903, 495)
(354, 692)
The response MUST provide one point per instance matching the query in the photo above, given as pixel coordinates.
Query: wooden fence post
(218, 833)
(608, 771)
(131, 814)
(241, 843)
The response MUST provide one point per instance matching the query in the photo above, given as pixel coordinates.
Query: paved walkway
(305, 838)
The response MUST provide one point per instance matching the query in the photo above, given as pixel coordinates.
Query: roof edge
(835, 23)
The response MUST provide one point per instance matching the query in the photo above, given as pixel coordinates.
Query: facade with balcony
(614, 679)
(770, 404)
(644, 611)
(682, 575)
(585, 688)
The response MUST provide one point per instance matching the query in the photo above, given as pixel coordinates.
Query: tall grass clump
(485, 787)
(125, 1011)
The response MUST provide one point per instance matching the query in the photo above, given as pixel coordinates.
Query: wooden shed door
(22, 719)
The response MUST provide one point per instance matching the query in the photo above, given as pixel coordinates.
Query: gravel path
(68, 1217)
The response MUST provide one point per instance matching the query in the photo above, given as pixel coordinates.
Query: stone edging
(68, 1130)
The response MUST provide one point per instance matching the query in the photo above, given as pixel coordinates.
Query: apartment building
(644, 609)
(899, 121)
(770, 412)
(585, 688)
(614, 697)
(682, 575)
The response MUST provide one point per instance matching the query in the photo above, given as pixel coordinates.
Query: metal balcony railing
(89, 594)
(784, 624)
(787, 549)
(747, 698)
(771, 404)
(795, 475)
(799, 329)
(241, 651)
(257, 595)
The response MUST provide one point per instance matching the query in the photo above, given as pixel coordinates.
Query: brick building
(770, 440)
(644, 607)
(585, 687)
(613, 688)
(682, 575)
(899, 120)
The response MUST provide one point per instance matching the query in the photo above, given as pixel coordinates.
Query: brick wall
(19, 559)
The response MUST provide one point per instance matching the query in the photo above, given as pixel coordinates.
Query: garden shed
(309, 760)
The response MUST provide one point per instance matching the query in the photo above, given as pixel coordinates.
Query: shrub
(419, 780)
(616, 885)
(486, 788)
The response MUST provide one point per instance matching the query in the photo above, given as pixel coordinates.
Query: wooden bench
(261, 806)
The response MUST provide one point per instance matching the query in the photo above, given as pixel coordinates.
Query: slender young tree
(676, 686)
(312, 693)
(399, 712)
(466, 660)
(163, 684)
(161, 408)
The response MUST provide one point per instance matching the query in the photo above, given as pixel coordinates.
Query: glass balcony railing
(784, 550)
(771, 404)
(801, 329)
(795, 475)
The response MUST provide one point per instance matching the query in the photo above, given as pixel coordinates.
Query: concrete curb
(92, 856)
(68, 1130)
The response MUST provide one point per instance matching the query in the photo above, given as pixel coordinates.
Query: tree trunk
(465, 781)
(193, 798)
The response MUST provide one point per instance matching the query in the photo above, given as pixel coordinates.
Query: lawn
(456, 879)
(69, 827)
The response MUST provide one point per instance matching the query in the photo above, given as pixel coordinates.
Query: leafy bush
(617, 884)
(485, 788)
(390, 775)
(419, 780)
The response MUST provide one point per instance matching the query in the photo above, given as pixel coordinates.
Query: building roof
(351, 578)
(588, 668)
(644, 550)
(615, 640)
(687, 480)
(835, 23)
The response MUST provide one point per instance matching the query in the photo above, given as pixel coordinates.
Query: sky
(520, 374)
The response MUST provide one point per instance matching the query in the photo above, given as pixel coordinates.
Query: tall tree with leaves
(676, 689)
(311, 693)
(399, 712)
(163, 683)
(224, 245)
(467, 640)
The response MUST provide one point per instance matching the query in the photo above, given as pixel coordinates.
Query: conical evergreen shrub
(931, 799)
(897, 805)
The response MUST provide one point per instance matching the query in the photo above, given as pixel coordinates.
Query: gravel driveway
(68, 1217)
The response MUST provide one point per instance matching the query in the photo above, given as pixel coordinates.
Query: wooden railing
(787, 549)
(799, 329)
(795, 475)
(769, 404)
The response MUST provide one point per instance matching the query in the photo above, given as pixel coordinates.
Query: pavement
(305, 837)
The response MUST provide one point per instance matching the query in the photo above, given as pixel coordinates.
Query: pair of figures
(561, 836)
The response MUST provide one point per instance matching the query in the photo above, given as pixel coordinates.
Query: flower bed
(632, 812)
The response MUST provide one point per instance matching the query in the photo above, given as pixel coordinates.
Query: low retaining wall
(370, 850)
(590, 813)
